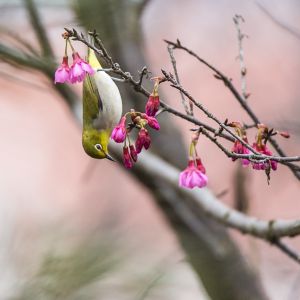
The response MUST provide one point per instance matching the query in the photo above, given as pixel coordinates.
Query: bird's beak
(109, 157)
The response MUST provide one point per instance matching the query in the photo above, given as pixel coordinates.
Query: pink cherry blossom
(192, 177)
(62, 74)
(79, 69)
(143, 140)
(119, 132)
(152, 105)
(264, 165)
(128, 163)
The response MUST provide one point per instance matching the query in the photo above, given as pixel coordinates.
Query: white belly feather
(111, 101)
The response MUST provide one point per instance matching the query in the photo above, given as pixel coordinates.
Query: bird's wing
(92, 102)
(93, 88)
(101, 112)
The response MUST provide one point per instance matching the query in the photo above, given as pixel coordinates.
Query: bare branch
(116, 69)
(157, 168)
(243, 70)
(219, 75)
(286, 249)
(183, 101)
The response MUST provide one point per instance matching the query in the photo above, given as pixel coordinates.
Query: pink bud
(127, 158)
(284, 134)
(143, 140)
(152, 105)
(264, 165)
(119, 132)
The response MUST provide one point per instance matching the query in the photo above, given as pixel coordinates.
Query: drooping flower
(192, 177)
(200, 166)
(152, 122)
(263, 149)
(133, 153)
(127, 160)
(62, 73)
(152, 105)
(143, 140)
(79, 69)
(119, 132)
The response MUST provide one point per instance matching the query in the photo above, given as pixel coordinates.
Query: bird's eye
(98, 147)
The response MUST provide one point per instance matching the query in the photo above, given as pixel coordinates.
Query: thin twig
(116, 68)
(142, 74)
(286, 249)
(243, 70)
(169, 77)
(219, 75)
(255, 157)
(159, 169)
(183, 101)
(252, 157)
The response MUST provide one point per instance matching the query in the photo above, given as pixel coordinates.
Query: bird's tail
(93, 60)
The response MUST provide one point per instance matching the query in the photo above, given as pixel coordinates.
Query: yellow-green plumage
(102, 109)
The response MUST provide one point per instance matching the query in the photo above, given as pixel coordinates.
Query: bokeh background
(76, 228)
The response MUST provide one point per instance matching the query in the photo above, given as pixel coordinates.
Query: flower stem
(66, 48)
(73, 50)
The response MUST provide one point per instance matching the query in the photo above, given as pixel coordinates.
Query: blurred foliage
(82, 273)
(63, 276)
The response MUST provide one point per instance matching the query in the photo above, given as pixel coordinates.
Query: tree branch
(219, 75)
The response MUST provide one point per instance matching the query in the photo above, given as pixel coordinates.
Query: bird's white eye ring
(98, 147)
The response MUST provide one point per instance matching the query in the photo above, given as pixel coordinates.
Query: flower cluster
(262, 148)
(194, 174)
(259, 145)
(74, 73)
(120, 133)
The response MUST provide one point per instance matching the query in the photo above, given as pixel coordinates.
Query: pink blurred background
(44, 184)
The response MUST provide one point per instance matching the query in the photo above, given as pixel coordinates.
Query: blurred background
(77, 228)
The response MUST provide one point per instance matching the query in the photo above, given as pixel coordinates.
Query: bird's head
(95, 143)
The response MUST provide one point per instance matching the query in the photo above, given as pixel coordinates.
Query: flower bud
(143, 140)
(119, 132)
(127, 158)
(152, 105)
(284, 134)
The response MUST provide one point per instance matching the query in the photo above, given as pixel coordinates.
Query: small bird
(102, 110)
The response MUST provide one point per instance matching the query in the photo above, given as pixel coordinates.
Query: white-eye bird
(102, 110)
